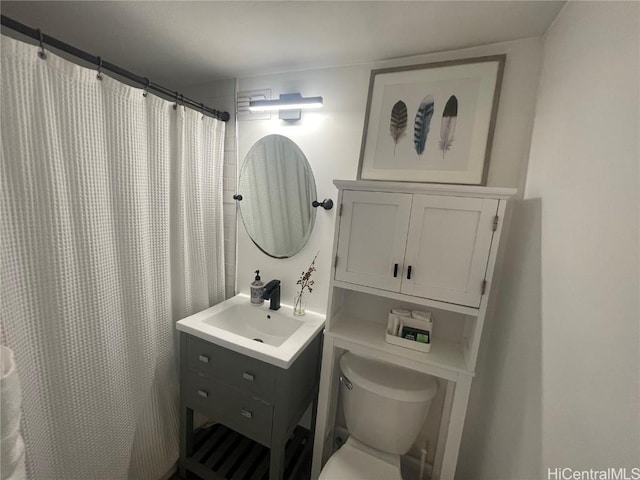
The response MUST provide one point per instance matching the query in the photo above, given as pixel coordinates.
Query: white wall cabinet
(415, 246)
(373, 236)
(448, 248)
(431, 246)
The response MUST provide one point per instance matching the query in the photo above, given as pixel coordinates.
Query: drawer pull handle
(409, 273)
(395, 270)
(247, 376)
(203, 359)
(246, 413)
(203, 394)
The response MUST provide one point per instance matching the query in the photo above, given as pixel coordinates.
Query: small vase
(299, 306)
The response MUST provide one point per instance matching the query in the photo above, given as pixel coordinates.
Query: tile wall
(221, 95)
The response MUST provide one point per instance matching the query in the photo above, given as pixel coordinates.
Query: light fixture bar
(288, 101)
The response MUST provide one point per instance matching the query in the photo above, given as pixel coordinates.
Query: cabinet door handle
(203, 358)
(246, 413)
(409, 273)
(203, 394)
(247, 376)
(395, 270)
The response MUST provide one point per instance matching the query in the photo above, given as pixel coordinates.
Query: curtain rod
(154, 87)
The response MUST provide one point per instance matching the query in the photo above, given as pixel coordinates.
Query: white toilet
(385, 407)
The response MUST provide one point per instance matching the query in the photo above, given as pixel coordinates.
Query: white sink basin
(255, 323)
(276, 337)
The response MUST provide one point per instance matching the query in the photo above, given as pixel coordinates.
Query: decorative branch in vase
(305, 282)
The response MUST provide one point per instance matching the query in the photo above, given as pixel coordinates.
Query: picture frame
(432, 122)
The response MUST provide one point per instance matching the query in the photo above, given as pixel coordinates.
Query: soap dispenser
(257, 289)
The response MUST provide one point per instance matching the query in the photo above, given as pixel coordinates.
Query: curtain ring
(41, 53)
(202, 110)
(145, 92)
(99, 75)
(175, 105)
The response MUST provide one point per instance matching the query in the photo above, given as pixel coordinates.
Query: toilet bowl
(385, 407)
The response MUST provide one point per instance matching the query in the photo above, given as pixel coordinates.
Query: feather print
(448, 127)
(398, 121)
(423, 121)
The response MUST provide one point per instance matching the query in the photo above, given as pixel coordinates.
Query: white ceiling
(186, 43)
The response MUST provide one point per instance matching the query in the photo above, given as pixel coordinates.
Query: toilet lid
(350, 463)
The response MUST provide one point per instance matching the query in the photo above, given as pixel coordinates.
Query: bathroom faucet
(272, 293)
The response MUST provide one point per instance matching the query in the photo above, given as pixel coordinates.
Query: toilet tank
(385, 406)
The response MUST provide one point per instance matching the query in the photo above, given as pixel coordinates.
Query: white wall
(563, 391)
(503, 433)
(331, 139)
(584, 167)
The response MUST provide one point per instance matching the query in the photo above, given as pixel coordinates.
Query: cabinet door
(373, 234)
(448, 248)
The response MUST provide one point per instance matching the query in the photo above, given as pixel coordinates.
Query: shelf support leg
(444, 427)
(456, 424)
(186, 439)
(277, 458)
(325, 397)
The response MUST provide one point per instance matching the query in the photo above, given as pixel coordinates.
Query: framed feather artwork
(432, 122)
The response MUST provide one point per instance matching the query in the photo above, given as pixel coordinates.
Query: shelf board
(450, 307)
(446, 358)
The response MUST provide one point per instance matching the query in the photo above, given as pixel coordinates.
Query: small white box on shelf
(423, 323)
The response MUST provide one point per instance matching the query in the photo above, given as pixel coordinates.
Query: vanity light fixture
(289, 105)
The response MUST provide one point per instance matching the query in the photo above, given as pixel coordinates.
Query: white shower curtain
(110, 231)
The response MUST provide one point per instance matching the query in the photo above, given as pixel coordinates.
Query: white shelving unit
(445, 359)
(416, 246)
(425, 302)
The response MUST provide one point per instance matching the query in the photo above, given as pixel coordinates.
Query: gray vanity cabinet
(204, 359)
(257, 400)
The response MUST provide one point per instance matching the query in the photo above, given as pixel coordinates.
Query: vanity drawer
(237, 410)
(231, 368)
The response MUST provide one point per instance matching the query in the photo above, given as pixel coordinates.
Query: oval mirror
(277, 188)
